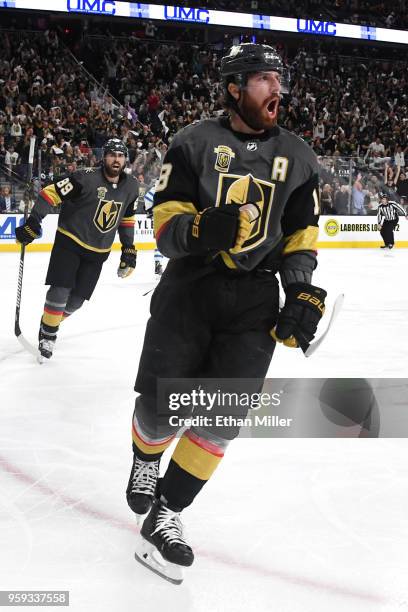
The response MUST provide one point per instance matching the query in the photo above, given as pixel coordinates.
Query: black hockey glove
(214, 229)
(222, 228)
(298, 320)
(127, 261)
(28, 232)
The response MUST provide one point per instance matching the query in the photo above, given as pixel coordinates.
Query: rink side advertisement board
(357, 232)
(143, 233)
(336, 232)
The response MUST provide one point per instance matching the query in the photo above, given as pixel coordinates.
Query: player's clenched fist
(214, 229)
(221, 228)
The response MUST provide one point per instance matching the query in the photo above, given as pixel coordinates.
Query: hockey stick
(17, 330)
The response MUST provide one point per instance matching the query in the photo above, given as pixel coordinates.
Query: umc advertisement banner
(334, 232)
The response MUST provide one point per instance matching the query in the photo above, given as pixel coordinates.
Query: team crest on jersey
(101, 192)
(107, 215)
(236, 189)
(252, 146)
(224, 156)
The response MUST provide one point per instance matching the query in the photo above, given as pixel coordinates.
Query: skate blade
(140, 518)
(149, 556)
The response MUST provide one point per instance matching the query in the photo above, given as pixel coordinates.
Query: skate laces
(168, 523)
(47, 345)
(145, 476)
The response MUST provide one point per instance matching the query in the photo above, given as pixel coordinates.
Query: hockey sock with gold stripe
(194, 460)
(146, 446)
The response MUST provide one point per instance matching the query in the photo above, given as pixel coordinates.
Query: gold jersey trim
(302, 240)
(164, 212)
(82, 244)
(50, 194)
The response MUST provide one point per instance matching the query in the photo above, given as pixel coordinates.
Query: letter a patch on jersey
(106, 215)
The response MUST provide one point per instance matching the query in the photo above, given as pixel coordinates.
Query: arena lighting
(174, 13)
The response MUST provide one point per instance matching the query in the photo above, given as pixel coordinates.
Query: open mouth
(272, 106)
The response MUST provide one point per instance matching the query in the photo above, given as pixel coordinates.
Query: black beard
(111, 173)
(252, 116)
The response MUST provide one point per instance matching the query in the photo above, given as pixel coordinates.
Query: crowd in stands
(353, 112)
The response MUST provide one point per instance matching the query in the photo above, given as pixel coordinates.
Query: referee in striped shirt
(387, 219)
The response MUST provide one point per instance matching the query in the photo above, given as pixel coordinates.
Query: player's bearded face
(259, 102)
(114, 162)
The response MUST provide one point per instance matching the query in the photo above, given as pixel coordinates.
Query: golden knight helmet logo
(245, 190)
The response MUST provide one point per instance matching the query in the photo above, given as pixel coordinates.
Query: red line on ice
(84, 508)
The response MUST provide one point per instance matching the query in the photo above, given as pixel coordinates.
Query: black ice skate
(161, 546)
(142, 485)
(158, 268)
(46, 344)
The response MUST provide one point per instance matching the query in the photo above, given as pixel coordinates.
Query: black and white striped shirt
(389, 212)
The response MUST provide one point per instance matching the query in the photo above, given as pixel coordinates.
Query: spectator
(7, 200)
(11, 159)
(341, 200)
(27, 200)
(16, 129)
(357, 197)
(327, 206)
(377, 147)
(401, 182)
(150, 29)
(399, 157)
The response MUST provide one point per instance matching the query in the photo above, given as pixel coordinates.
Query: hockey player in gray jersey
(237, 202)
(95, 203)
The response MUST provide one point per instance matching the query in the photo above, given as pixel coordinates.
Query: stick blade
(337, 306)
(30, 348)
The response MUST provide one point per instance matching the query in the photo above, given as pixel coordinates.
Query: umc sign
(309, 26)
(179, 13)
(101, 7)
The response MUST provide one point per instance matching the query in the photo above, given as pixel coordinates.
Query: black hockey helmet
(115, 144)
(384, 194)
(247, 58)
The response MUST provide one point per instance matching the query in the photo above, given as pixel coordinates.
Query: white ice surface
(284, 525)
